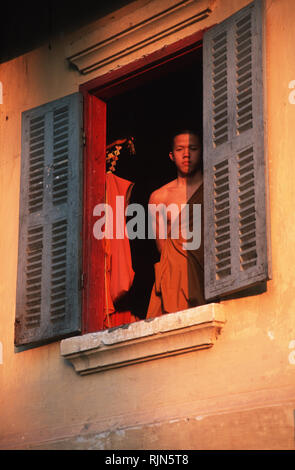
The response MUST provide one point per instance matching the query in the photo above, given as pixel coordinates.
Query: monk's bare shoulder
(162, 194)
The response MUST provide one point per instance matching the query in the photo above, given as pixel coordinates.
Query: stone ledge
(168, 335)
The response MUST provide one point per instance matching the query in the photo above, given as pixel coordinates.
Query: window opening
(150, 112)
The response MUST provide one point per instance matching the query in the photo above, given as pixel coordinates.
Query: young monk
(179, 273)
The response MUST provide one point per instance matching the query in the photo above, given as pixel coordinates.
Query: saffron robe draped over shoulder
(179, 275)
(119, 273)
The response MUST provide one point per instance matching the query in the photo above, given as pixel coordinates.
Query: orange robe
(119, 274)
(179, 275)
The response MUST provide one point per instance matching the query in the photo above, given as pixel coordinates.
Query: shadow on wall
(29, 25)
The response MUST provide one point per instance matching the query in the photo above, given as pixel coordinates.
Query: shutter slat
(48, 297)
(236, 245)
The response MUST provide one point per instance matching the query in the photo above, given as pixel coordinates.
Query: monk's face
(186, 153)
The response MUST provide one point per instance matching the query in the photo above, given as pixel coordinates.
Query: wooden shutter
(236, 245)
(49, 256)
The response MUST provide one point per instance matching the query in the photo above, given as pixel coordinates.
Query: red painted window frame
(94, 92)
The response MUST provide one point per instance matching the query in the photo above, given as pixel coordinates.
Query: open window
(166, 99)
(216, 79)
(147, 104)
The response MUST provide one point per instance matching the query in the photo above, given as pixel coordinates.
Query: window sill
(175, 333)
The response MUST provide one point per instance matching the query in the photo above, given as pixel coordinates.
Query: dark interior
(150, 111)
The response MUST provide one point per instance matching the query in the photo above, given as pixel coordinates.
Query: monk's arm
(155, 222)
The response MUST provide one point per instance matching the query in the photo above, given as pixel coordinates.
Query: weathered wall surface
(240, 394)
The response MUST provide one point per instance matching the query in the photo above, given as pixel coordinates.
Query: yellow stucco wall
(240, 393)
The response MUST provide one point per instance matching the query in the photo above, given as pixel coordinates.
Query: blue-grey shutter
(235, 174)
(48, 302)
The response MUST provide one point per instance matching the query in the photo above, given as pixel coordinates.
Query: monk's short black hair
(193, 131)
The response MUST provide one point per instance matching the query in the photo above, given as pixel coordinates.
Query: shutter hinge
(82, 279)
(84, 138)
(17, 329)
